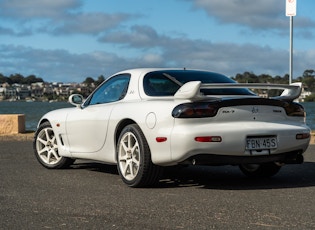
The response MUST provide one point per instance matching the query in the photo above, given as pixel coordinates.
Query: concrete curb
(29, 136)
(12, 123)
(312, 142)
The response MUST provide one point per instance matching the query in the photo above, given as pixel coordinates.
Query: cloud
(255, 15)
(31, 9)
(138, 36)
(12, 32)
(59, 65)
(6, 31)
(229, 58)
(85, 23)
(57, 17)
(142, 45)
(151, 50)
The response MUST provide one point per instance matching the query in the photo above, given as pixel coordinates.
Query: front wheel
(260, 170)
(134, 158)
(46, 148)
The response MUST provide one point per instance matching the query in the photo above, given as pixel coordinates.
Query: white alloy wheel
(46, 148)
(129, 156)
(134, 158)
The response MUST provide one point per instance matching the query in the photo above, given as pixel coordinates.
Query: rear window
(166, 83)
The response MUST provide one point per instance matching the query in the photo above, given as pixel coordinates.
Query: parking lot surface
(92, 196)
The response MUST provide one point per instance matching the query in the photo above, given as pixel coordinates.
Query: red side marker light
(161, 139)
(58, 124)
(208, 139)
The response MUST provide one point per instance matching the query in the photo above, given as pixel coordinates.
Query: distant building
(23, 92)
(305, 93)
(2, 93)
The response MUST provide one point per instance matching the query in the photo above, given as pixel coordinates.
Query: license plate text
(261, 143)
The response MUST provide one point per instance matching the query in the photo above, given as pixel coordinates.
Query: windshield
(167, 82)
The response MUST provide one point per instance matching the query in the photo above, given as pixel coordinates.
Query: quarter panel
(141, 112)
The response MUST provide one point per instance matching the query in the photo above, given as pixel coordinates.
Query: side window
(111, 90)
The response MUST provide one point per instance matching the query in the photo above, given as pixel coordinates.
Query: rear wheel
(260, 170)
(134, 158)
(46, 148)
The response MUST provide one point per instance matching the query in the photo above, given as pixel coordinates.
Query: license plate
(261, 143)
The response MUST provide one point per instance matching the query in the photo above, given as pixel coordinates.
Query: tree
(309, 79)
(16, 78)
(3, 79)
(89, 81)
(31, 79)
(309, 72)
(265, 78)
(246, 77)
(99, 80)
(310, 98)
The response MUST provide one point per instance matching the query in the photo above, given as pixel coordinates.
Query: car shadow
(220, 177)
(96, 167)
(231, 178)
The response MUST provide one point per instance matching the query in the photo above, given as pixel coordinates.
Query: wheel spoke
(47, 135)
(129, 140)
(135, 148)
(124, 168)
(135, 168)
(44, 142)
(123, 151)
(43, 150)
(54, 154)
(48, 159)
(123, 158)
(133, 172)
(135, 160)
(124, 146)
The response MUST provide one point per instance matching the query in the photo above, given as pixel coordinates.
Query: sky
(70, 40)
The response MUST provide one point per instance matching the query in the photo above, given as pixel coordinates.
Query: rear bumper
(232, 148)
(294, 157)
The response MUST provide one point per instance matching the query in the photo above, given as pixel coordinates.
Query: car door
(87, 126)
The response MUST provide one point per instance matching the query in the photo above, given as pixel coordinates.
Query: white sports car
(144, 119)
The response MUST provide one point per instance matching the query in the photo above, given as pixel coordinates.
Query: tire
(260, 170)
(46, 148)
(134, 159)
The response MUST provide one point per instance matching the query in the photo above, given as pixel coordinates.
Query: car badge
(254, 110)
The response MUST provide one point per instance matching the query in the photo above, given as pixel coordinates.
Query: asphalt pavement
(92, 196)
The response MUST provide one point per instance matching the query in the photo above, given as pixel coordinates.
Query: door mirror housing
(76, 99)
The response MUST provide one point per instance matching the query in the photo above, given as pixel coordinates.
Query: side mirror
(76, 99)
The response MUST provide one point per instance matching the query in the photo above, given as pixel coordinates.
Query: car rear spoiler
(191, 90)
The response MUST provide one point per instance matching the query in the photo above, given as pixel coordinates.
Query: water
(310, 114)
(35, 110)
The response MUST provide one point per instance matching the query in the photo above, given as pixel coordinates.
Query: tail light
(195, 110)
(301, 136)
(295, 110)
